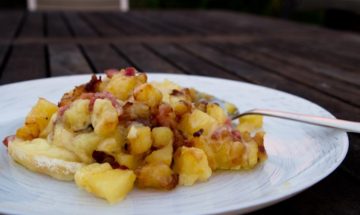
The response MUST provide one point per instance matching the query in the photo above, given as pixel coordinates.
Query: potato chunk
(121, 86)
(250, 123)
(105, 182)
(39, 156)
(192, 165)
(162, 136)
(216, 112)
(156, 175)
(163, 155)
(139, 139)
(77, 117)
(195, 121)
(37, 119)
(148, 94)
(104, 117)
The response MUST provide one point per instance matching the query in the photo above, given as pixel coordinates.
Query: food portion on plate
(121, 131)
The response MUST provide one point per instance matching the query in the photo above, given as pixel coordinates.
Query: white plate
(299, 156)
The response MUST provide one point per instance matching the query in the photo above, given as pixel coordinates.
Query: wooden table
(320, 65)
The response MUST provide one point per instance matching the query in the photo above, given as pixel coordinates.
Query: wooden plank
(79, 26)
(339, 108)
(103, 57)
(311, 52)
(33, 26)
(56, 26)
(8, 28)
(142, 17)
(146, 60)
(328, 71)
(26, 62)
(101, 26)
(332, 87)
(189, 63)
(67, 59)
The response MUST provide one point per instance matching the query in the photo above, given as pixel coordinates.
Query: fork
(348, 126)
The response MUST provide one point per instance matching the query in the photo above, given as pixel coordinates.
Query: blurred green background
(335, 14)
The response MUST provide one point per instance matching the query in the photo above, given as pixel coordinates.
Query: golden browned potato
(196, 121)
(156, 175)
(148, 94)
(162, 136)
(250, 123)
(192, 165)
(104, 117)
(163, 155)
(140, 140)
(105, 182)
(37, 119)
(216, 112)
(121, 86)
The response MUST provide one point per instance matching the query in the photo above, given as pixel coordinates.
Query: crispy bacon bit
(111, 72)
(166, 116)
(175, 92)
(102, 95)
(8, 139)
(62, 110)
(179, 139)
(198, 133)
(236, 135)
(102, 157)
(130, 71)
(77, 92)
(92, 85)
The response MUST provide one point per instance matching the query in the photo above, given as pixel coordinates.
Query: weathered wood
(33, 25)
(79, 26)
(25, 62)
(8, 28)
(56, 26)
(67, 60)
(189, 63)
(105, 57)
(101, 26)
(338, 107)
(146, 60)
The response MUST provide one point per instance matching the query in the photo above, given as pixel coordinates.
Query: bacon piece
(102, 157)
(8, 139)
(111, 72)
(77, 92)
(130, 71)
(102, 95)
(166, 116)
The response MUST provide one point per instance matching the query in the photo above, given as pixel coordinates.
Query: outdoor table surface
(315, 63)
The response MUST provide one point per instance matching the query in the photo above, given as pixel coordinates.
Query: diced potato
(230, 108)
(39, 156)
(162, 136)
(193, 122)
(128, 160)
(163, 155)
(62, 137)
(139, 138)
(148, 94)
(216, 112)
(37, 119)
(50, 126)
(83, 145)
(104, 117)
(109, 146)
(137, 110)
(179, 104)
(105, 182)
(259, 139)
(77, 117)
(250, 123)
(121, 86)
(204, 144)
(251, 155)
(192, 165)
(156, 175)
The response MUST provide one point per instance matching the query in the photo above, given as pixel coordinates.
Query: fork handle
(345, 125)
